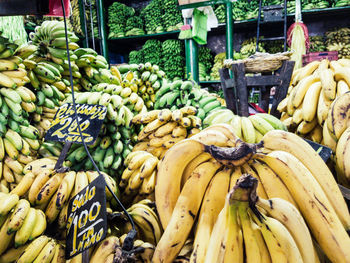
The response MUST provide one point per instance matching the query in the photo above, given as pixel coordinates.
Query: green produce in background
(13, 28)
(171, 18)
(339, 40)
(118, 14)
(151, 51)
(152, 15)
(317, 44)
(173, 58)
(218, 64)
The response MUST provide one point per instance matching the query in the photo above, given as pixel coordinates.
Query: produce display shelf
(205, 3)
(306, 13)
(209, 82)
(146, 36)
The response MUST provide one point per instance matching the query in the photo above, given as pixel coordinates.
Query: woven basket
(261, 62)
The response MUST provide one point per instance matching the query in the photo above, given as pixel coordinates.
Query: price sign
(87, 218)
(64, 127)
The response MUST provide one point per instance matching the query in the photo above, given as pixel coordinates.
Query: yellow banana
(285, 239)
(273, 185)
(47, 253)
(213, 203)
(40, 225)
(33, 249)
(291, 218)
(49, 189)
(251, 245)
(201, 158)
(37, 184)
(17, 218)
(7, 203)
(190, 199)
(172, 165)
(104, 249)
(289, 142)
(179, 131)
(313, 204)
(149, 183)
(23, 234)
(165, 129)
(148, 166)
(5, 239)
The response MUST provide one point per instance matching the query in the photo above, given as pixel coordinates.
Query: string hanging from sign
(128, 243)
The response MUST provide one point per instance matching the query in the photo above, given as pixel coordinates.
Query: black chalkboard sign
(64, 127)
(323, 151)
(87, 218)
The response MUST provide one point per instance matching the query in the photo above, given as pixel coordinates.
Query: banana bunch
(12, 70)
(118, 135)
(93, 69)
(250, 129)
(50, 35)
(43, 121)
(41, 249)
(278, 235)
(337, 126)
(139, 178)
(75, 17)
(189, 192)
(339, 40)
(181, 93)
(145, 250)
(218, 64)
(122, 97)
(7, 48)
(143, 79)
(108, 152)
(50, 191)
(50, 149)
(248, 47)
(311, 93)
(164, 128)
(147, 222)
(20, 222)
(317, 44)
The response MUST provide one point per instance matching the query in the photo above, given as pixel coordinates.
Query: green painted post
(83, 23)
(191, 49)
(229, 31)
(103, 29)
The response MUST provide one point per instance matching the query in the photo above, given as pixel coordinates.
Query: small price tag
(64, 127)
(87, 218)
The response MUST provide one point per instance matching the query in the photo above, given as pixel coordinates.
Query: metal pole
(102, 25)
(229, 31)
(83, 22)
(191, 49)
(258, 28)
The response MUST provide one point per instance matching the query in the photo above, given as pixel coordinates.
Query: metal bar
(100, 8)
(258, 28)
(62, 156)
(98, 26)
(191, 49)
(92, 26)
(285, 26)
(229, 31)
(85, 256)
(83, 22)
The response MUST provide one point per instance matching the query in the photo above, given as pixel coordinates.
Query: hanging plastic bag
(55, 8)
(199, 31)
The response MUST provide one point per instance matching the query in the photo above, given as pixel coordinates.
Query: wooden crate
(330, 55)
